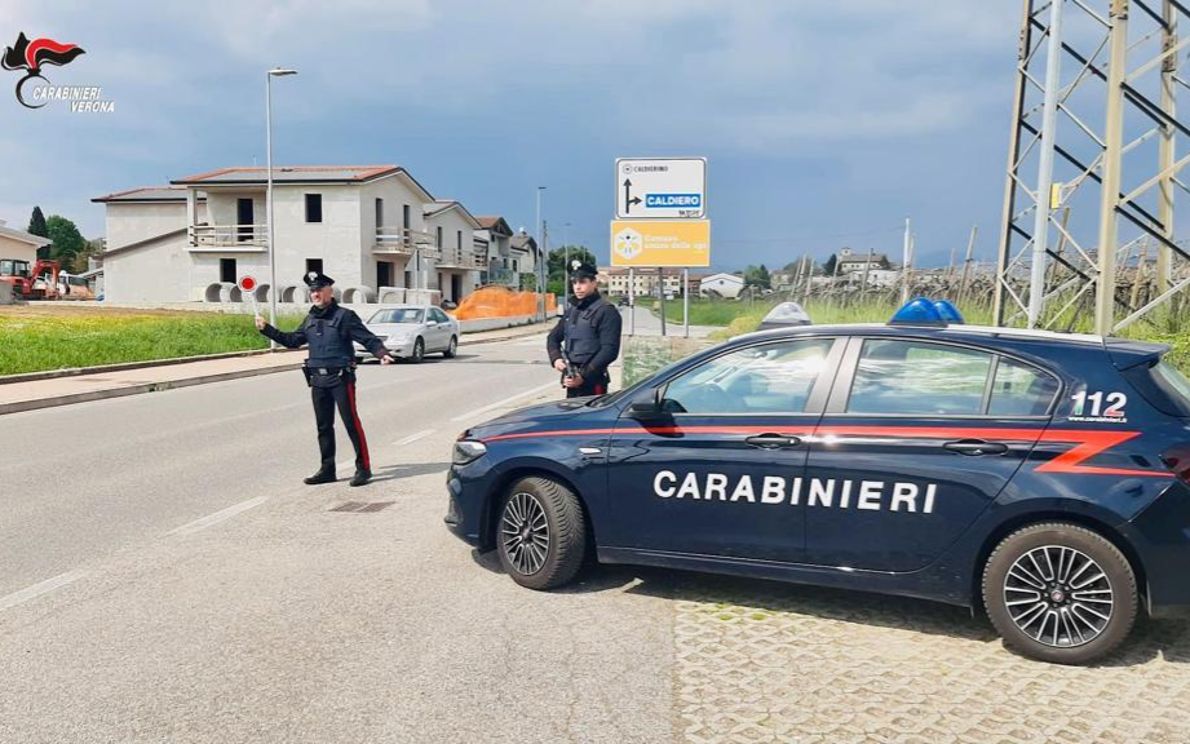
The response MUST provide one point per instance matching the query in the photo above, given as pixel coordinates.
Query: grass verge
(34, 340)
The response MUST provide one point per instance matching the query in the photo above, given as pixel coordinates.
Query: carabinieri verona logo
(35, 91)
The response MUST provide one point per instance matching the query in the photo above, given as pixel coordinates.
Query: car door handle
(976, 447)
(773, 441)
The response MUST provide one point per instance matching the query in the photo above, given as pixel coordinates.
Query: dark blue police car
(1042, 476)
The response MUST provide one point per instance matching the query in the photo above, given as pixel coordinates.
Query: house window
(459, 238)
(314, 264)
(384, 272)
(439, 238)
(405, 216)
(227, 270)
(379, 212)
(313, 207)
(245, 220)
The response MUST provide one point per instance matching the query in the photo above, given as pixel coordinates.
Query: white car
(412, 331)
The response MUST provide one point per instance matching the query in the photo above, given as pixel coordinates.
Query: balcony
(456, 259)
(228, 238)
(404, 241)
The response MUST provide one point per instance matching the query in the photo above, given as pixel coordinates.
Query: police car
(1043, 477)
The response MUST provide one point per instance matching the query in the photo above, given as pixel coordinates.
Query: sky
(824, 124)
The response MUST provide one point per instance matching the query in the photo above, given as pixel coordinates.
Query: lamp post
(268, 135)
(540, 257)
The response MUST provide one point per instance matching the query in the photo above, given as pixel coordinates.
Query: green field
(37, 338)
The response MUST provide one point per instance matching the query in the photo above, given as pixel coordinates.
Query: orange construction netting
(501, 302)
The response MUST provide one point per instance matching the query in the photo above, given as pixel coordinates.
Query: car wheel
(419, 351)
(452, 348)
(541, 533)
(1060, 593)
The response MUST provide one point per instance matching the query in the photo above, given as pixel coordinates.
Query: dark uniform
(590, 334)
(330, 373)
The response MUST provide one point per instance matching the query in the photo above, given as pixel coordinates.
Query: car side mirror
(649, 409)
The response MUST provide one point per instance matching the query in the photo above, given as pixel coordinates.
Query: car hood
(560, 414)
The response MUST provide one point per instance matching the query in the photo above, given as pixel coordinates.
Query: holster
(325, 377)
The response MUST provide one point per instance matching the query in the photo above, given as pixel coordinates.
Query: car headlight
(468, 450)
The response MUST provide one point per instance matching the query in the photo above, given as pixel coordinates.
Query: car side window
(767, 379)
(437, 315)
(912, 378)
(1021, 390)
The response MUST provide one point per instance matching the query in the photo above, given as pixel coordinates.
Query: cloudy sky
(825, 124)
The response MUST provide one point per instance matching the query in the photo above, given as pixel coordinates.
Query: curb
(148, 387)
(125, 366)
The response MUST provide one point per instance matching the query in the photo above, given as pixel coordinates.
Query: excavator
(39, 282)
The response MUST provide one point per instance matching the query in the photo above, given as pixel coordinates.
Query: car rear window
(1163, 386)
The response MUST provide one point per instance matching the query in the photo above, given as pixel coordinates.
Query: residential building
(721, 285)
(618, 281)
(849, 261)
(522, 253)
(495, 235)
(459, 263)
(369, 227)
(18, 246)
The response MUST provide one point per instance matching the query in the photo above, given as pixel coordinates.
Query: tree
(68, 242)
(37, 224)
(556, 263)
(757, 276)
(828, 266)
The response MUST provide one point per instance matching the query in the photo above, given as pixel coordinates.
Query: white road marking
(45, 587)
(414, 437)
(219, 516)
(500, 403)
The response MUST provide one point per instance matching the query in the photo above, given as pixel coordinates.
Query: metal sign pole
(686, 303)
(631, 301)
(661, 292)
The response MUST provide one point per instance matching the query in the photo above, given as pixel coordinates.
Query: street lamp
(268, 135)
(540, 257)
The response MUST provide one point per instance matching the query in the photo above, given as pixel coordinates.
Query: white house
(522, 253)
(365, 226)
(849, 261)
(723, 285)
(459, 263)
(495, 235)
(18, 247)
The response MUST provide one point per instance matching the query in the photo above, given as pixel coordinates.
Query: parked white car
(412, 331)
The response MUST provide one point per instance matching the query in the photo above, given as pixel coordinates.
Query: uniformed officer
(588, 336)
(329, 330)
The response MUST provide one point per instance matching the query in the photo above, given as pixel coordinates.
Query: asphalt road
(166, 576)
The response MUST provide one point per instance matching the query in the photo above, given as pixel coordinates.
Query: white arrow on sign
(661, 188)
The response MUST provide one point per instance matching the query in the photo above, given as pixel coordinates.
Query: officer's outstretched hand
(260, 323)
(387, 359)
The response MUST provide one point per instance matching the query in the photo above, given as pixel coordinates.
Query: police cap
(317, 280)
(582, 270)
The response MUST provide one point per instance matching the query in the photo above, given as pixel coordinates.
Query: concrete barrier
(394, 295)
(475, 325)
(218, 292)
(295, 294)
(358, 295)
(6, 296)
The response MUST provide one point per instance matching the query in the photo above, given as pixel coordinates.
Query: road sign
(247, 283)
(661, 188)
(661, 243)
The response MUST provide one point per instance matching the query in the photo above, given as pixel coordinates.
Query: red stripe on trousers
(359, 429)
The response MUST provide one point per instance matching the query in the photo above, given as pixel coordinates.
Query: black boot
(361, 477)
(322, 476)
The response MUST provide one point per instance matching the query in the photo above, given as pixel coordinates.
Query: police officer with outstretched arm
(329, 330)
(587, 336)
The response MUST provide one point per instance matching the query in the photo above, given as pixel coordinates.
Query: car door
(439, 329)
(720, 473)
(917, 440)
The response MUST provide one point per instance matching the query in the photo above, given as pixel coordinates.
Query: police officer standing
(329, 330)
(587, 338)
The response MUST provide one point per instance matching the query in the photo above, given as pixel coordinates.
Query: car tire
(1060, 593)
(541, 533)
(419, 351)
(452, 348)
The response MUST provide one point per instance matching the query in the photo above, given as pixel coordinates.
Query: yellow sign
(661, 243)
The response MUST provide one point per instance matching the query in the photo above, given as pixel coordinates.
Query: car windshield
(398, 315)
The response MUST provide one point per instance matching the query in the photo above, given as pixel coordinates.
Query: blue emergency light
(924, 311)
